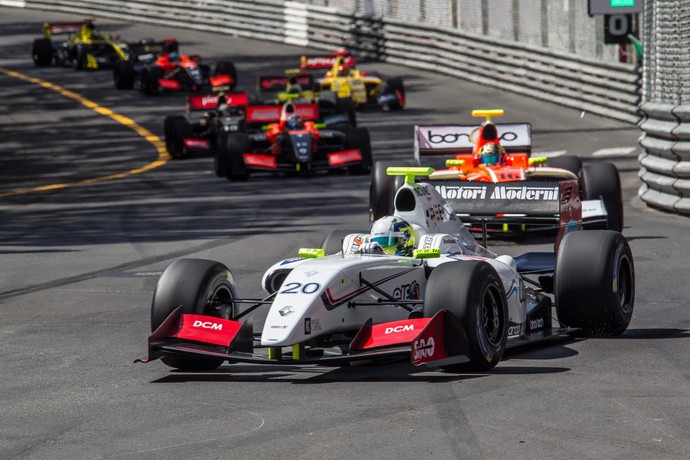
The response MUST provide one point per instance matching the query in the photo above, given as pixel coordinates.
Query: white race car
(452, 304)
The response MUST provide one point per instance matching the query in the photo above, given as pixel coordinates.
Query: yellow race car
(353, 86)
(85, 48)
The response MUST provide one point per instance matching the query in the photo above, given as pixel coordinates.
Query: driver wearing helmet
(491, 154)
(343, 70)
(293, 121)
(390, 235)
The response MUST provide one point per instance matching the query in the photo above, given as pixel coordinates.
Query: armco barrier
(611, 90)
(665, 171)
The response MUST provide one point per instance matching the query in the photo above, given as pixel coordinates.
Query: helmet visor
(388, 239)
(489, 159)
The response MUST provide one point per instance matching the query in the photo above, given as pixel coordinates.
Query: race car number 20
(296, 288)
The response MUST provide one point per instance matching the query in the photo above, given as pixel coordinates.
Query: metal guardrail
(611, 90)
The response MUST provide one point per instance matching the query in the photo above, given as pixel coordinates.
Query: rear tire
(568, 162)
(176, 128)
(42, 52)
(199, 286)
(358, 138)
(79, 53)
(382, 189)
(594, 282)
(346, 106)
(226, 68)
(396, 86)
(123, 74)
(473, 292)
(149, 79)
(232, 149)
(601, 180)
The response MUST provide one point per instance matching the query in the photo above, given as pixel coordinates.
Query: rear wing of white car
(459, 139)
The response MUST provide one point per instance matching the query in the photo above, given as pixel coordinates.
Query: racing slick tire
(594, 283)
(568, 162)
(176, 129)
(346, 106)
(220, 158)
(149, 79)
(200, 286)
(601, 180)
(473, 292)
(226, 68)
(382, 189)
(123, 74)
(358, 138)
(395, 85)
(79, 53)
(231, 149)
(42, 52)
(333, 243)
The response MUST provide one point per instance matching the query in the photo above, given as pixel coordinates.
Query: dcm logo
(208, 325)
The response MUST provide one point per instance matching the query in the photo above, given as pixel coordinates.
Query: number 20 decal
(295, 288)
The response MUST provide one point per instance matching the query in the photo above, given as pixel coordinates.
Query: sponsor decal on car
(514, 330)
(399, 329)
(208, 325)
(536, 323)
(286, 311)
(311, 325)
(423, 348)
(499, 192)
(407, 291)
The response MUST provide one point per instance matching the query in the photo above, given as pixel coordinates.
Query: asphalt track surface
(80, 256)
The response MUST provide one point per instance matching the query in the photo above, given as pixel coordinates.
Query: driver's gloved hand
(370, 248)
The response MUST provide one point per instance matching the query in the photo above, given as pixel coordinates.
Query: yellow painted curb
(163, 155)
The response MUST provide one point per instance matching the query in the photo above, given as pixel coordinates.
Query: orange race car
(491, 180)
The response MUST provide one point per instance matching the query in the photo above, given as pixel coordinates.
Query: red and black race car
(290, 139)
(207, 116)
(154, 73)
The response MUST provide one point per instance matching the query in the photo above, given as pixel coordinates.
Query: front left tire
(473, 292)
(202, 287)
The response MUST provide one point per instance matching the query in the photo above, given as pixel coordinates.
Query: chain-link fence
(665, 161)
(557, 25)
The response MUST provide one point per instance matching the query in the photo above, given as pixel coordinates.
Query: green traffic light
(622, 3)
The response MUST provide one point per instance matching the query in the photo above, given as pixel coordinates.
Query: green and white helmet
(394, 235)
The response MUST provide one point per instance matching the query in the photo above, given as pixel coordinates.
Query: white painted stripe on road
(614, 152)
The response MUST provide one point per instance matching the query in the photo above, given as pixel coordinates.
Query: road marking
(614, 152)
(163, 155)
